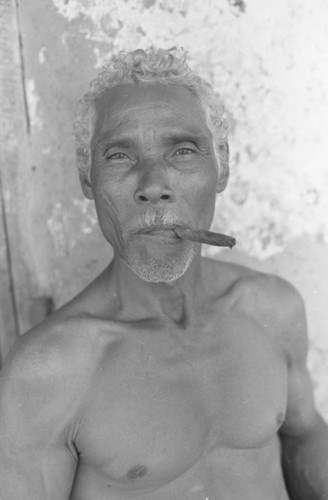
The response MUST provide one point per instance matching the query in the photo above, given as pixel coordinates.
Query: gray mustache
(152, 218)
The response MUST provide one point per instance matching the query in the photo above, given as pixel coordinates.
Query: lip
(157, 229)
(165, 232)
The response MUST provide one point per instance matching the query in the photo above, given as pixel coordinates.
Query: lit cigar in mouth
(202, 236)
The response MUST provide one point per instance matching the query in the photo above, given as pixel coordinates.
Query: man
(171, 376)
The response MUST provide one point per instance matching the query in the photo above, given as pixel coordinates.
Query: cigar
(202, 236)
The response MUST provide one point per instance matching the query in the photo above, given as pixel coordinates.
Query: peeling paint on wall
(56, 224)
(33, 101)
(62, 224)
(88, 220)
(267, 66)
(42, 56)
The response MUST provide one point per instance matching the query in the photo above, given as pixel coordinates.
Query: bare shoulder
(270, 300)
(274, 302)
(51, 346)
(53, 366)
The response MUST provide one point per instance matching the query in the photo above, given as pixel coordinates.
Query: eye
(184, 151)
(116, 156)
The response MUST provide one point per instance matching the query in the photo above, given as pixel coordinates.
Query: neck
(177, 300)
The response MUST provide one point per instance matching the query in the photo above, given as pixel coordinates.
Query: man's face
(153, 166)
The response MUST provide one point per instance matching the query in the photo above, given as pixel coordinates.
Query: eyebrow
(110, 141)
(176, 137)
(172, 137)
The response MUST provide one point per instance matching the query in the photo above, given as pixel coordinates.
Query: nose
(153, 187)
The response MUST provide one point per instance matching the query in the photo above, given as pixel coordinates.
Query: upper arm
(280, 310)
(36, 461)
(301, 414)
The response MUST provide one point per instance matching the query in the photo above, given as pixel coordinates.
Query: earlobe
(86, 186)
(223, 154)
(223, 181)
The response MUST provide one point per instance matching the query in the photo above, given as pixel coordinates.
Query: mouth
(164, 231)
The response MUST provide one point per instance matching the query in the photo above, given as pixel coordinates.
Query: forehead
(149, 105)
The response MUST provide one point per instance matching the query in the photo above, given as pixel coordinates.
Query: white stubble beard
(159, 269)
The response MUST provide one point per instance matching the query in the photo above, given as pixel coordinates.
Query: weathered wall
(269, 66)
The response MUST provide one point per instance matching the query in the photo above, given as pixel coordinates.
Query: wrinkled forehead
(126, 105)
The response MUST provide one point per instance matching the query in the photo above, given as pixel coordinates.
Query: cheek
(206, 205)
(108, 211)
(106, 205)
(201, 192)
(106, 195)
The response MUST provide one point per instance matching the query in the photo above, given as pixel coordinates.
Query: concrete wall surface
(269, 65)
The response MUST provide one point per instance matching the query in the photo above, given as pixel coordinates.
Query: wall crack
(23, 75)
(8, 257)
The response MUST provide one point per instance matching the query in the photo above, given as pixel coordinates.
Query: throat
(175, 309)
(175, 305)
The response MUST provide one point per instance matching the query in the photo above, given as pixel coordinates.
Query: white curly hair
(165, 66)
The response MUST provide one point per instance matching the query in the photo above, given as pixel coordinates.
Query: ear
(86, 185)
(223, 154)
(223, 180)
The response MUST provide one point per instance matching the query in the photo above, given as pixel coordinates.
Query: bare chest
(151, 418)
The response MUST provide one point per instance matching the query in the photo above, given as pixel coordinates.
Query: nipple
(137, 471)
(280, 419)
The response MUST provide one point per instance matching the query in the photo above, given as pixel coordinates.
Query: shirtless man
(171, 376)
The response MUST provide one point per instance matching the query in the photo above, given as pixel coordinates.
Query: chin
(152, 275)
(157, 270)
